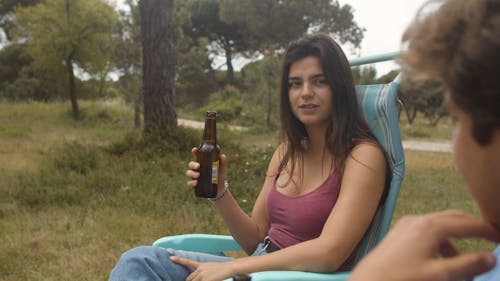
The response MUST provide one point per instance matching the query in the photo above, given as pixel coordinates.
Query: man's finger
(465, 227)
(466, 266)
(185, 262)
(447, 249)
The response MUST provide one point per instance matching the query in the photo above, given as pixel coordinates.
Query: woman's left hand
(206, 271)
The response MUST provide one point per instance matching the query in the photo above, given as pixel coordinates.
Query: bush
(247, 171)
(141, 173)
(227, 102)
(23, 89)
(71, 174)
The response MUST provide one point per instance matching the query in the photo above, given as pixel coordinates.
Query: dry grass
(84, 242)
(432, 184)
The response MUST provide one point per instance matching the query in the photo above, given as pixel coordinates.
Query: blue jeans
(153, 264)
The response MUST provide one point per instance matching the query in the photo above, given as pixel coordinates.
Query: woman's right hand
(192, 172)
(193, 166)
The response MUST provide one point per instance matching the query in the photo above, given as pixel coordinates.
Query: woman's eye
(320, 82)
(293, 84)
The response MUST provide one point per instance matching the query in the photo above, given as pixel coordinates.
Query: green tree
(273, 23)
(195, 77)
(225, 38)
(426, 97)
(158, 53)
(12, 60)
(6, 9)
(364, 75)
(17, 80)
(63, 35)
(261, 82)
(388, 77)
(127, 57)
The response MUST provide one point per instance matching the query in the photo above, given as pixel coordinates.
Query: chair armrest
(204, 243)
(281, 275)
(217, 244)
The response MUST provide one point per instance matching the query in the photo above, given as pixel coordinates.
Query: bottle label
(215, 172)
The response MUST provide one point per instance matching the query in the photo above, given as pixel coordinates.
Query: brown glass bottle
(242, 277)
(208, 157)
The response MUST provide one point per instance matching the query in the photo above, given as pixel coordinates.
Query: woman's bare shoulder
(369, 154)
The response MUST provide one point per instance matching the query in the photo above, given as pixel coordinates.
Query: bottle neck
(210, 132)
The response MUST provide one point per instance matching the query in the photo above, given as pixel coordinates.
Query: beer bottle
(242, 277)
(208, 157)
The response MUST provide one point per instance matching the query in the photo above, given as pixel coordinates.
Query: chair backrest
(379, 105)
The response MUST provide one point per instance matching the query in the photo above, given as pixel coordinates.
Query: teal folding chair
(379, 106)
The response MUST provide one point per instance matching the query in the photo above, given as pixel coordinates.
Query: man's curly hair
(459, 44)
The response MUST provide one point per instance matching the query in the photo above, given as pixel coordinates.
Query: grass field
(75, 195)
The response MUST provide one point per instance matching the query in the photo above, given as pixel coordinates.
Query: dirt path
(434, 146)
(199, 125)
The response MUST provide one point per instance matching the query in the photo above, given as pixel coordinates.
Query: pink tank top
(295, 219)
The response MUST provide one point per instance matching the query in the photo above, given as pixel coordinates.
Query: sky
(385, 22)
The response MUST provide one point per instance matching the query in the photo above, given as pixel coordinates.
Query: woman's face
(309, 94)
(477, 164)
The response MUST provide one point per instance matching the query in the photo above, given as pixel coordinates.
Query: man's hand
(419, 248)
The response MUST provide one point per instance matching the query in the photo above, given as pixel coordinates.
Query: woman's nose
(307, 90)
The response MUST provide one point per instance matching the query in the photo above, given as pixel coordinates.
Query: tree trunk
(211, 75)
(158, 52)
(71, 74)
(229, 64)
(72, 89)
(102, 80)
(137, 109)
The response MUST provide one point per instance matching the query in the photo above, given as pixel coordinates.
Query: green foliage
(93, 89)
(58, 32)
(420, 128)
(68, 176)
(129, 86)
(18, 81)
(6, 9)
(388, 77)
(426, 97)
(22, 89)
(143, 173)
(272, 24)
(12, 59)
(261, 87)
(250, 28)
(227, 102)
(193, 86)
(127, 53)
(247, 172)
(364, 75)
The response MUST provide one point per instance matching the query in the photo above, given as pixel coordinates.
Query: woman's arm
(363, 183)
(247, 230)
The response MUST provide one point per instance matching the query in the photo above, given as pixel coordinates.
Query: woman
(323, 184)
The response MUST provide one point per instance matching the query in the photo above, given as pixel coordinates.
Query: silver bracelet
(220, 196)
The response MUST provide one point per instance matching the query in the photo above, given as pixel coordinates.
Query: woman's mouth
(308, 106)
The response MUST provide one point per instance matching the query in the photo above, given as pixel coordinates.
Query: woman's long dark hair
(347, 126)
